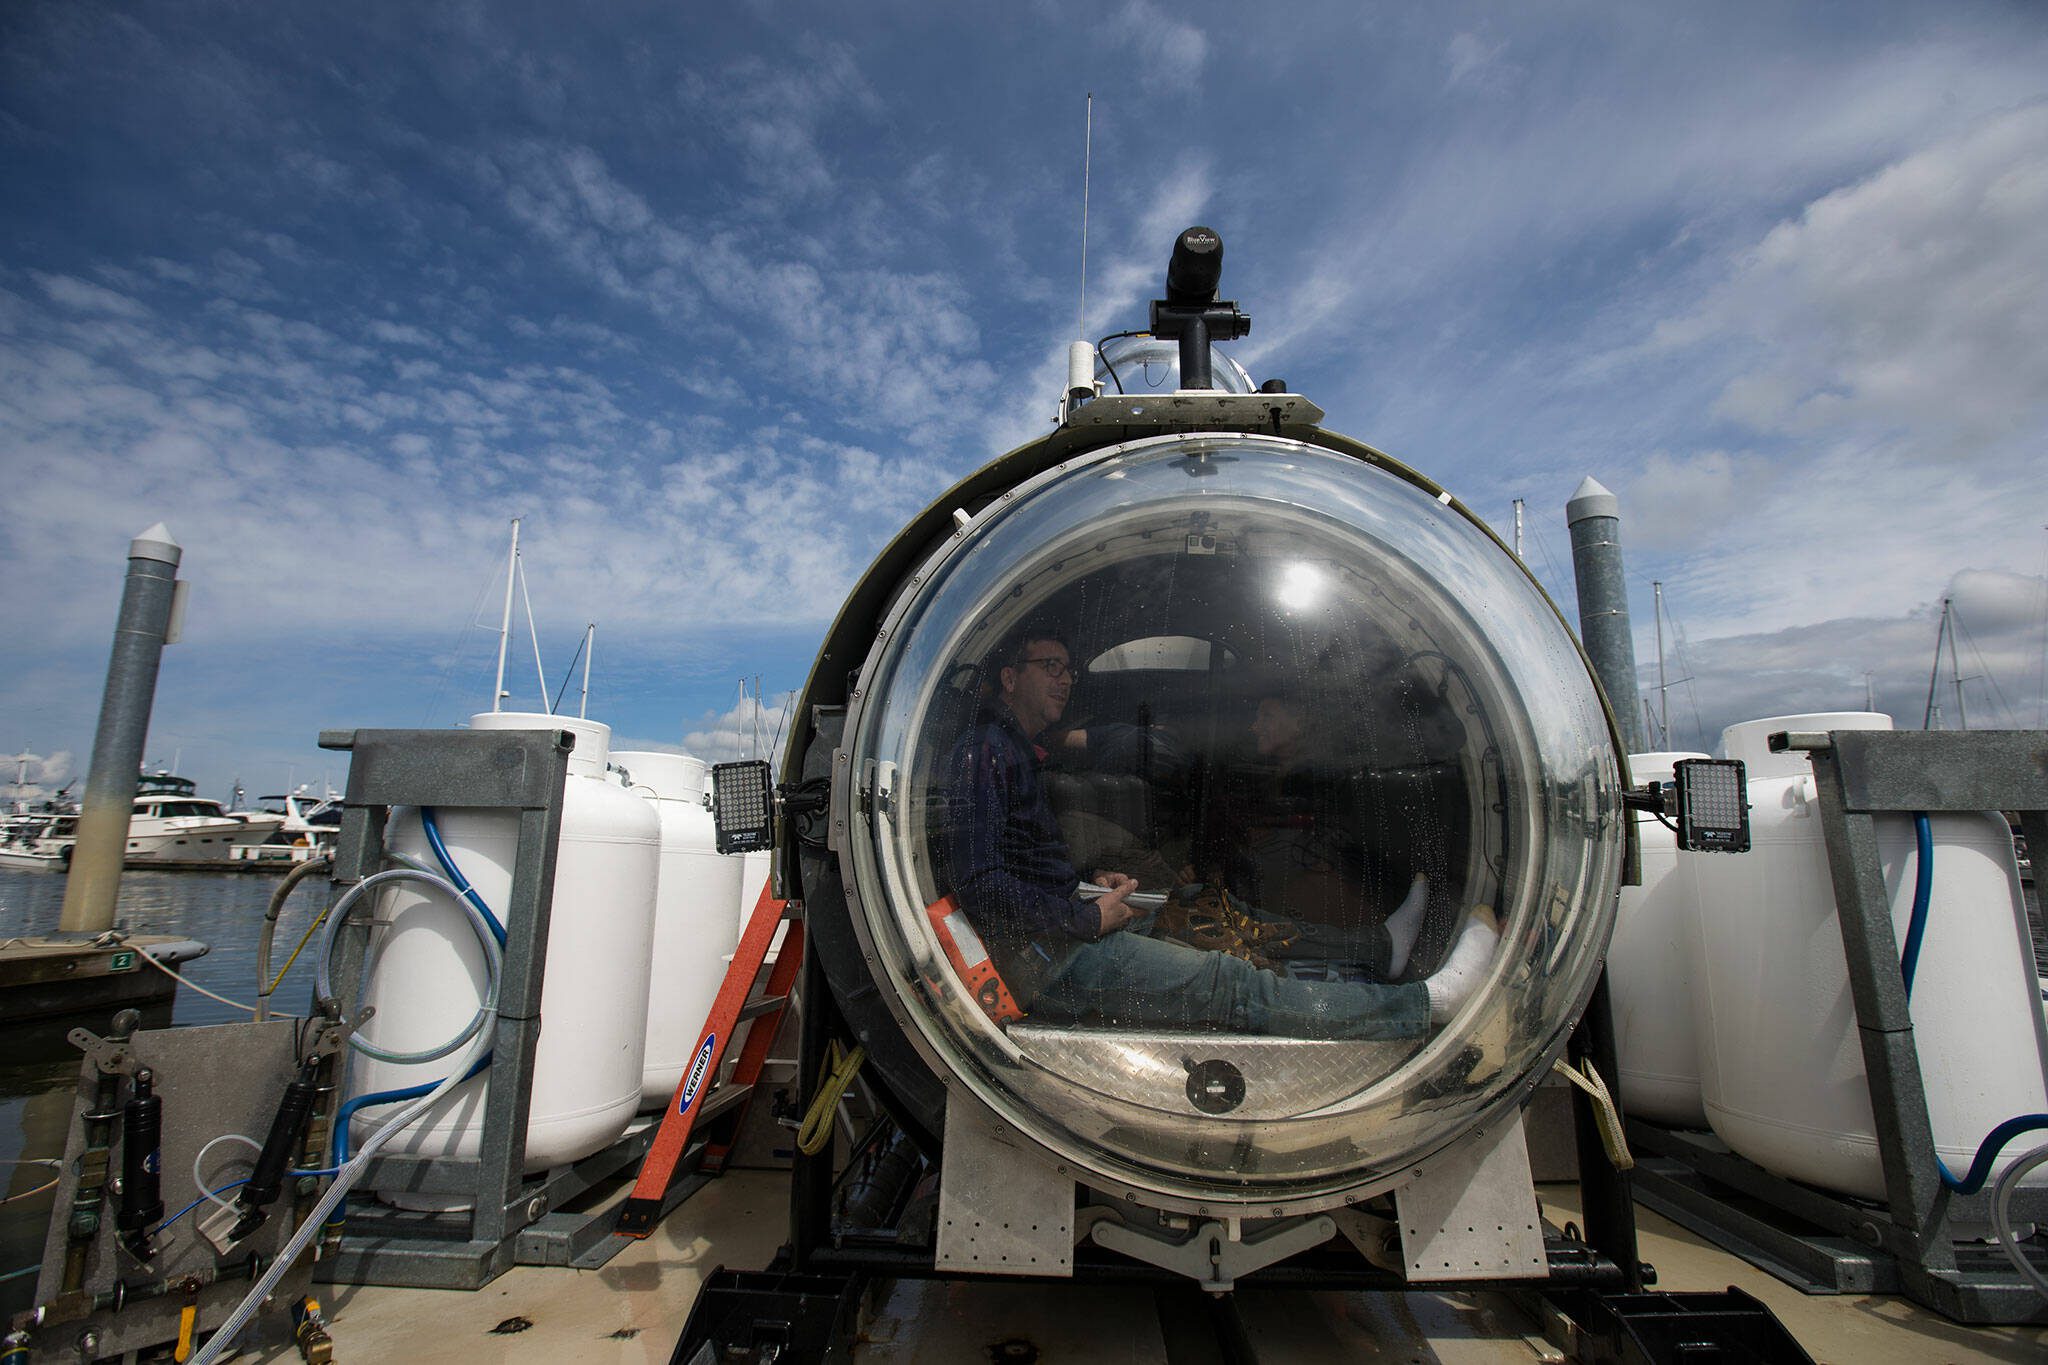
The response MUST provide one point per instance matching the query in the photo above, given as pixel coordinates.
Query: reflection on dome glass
(1189, 893)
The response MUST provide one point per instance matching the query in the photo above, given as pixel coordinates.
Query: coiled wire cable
(323, 983)
(347, 1112)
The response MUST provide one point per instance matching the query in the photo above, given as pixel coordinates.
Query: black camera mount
(1191, 312)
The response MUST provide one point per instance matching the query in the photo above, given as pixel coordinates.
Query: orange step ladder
(700, 1095)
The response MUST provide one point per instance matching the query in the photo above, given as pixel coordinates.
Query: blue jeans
(1136, 981)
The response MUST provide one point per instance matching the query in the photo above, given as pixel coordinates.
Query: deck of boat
(633, 1309)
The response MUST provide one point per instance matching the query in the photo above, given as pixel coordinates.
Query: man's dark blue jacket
(1011, 871)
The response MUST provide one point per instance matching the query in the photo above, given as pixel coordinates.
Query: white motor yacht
(309, 821)
(39, 840)
(172, 822)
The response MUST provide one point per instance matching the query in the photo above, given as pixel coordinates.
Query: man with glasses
(1067, 957)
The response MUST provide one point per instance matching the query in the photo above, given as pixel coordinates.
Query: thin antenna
(533, 631)
(742, 733)
(1087, 158)
(781, 718)
(589, 648)
(505, 621)
(1518, 528)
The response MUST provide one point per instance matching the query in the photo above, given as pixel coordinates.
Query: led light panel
(742, 806)
(1713, 811)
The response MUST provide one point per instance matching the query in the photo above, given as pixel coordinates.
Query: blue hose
(469, 893)
(1923, 892)
(349, 1107)
(235, 1185)
(1909, 963)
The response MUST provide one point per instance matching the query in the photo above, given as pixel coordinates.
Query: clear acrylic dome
(1313, 711)
(1148, 364)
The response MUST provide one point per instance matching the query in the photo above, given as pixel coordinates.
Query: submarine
(1192, 667)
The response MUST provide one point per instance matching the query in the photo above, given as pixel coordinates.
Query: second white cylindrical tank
(755, 870)
(1650, 970)
(1782, 1076)
(693, 928)
(426, 970)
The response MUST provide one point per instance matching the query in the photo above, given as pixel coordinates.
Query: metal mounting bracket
(333, 1034)
(1003, 1207)
(1470, 1214)
(1209, 1255)
(110, 1055)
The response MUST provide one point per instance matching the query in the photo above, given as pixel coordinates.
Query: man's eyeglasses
(1054, 666)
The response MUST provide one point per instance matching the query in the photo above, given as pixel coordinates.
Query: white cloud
(899, 348)
(642, 527)
(82, 296)
(1573, 163)
(1912, 297)
(778, 112)
(1472, 63)
(1685, 502)
(748, 729)
(400, 333)
(1170, 53)
(32, 777)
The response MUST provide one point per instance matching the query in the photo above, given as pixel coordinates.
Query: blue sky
(715, 297)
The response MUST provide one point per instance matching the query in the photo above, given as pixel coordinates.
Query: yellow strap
(816, 1129)
(1606, 1117)
(188, 1319)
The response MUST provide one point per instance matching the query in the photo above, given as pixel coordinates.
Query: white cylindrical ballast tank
(693, 936)
(426, 971)
(755, 869)
(1782, 1075)
(1650, 968)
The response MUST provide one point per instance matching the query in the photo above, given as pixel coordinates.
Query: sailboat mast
(1955, 672)
(505, 621)
(534, 631)
(589, 647)
(1933, 711)
(1663, 688)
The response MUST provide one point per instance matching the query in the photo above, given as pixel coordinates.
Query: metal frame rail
(513, 1219)
(1828, 1243)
